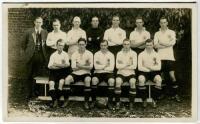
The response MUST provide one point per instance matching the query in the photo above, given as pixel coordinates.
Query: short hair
(77, 18)
(139, 17)
(39, 17)
(94, 17)
(163, 17)
(116, 15)
(149, 41)
(82, 39)
(126, 39)
(56, 20)
(59, 41)
(103, 41)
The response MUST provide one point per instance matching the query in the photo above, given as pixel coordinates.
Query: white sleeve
(70, 38)
(73, 61)
(123, 35)
(157, 67)
(134, 60)
(118, 64)
(173, 36)
(112, 63)
(148, 35)
(51, 61)
(65, 37)
(140, 64)
(84, 35)
(97, 58)
(131, 37)
(91, 59)
(156, 40)
(49, 40)
(67, 59)
(106, 35)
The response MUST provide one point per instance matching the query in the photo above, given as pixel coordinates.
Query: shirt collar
(58, 53)
(57, 32)
(166, 29)
(146, 51)
(115, 28)
(76, 29)
(124, 51)
(105, 52)
(38, 30)
(143, 29)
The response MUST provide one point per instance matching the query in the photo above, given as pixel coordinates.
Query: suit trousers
(36, 67)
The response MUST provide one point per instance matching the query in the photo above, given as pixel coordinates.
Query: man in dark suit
(34, 54)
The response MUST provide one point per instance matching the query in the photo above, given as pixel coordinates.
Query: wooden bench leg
(45, 90)
(149, 99)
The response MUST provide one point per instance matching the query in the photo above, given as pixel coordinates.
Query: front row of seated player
(82, 61)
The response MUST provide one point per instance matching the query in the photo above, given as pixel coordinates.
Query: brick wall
(18, 22)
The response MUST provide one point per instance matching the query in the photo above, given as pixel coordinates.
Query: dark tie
(37, 37)
(38, 40)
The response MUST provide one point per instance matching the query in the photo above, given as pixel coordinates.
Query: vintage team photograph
(95, 61)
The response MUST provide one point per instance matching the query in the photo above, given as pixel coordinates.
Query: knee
(68, 80)
(118, 82)
(132, 82)
(111, 82)
(87, 81)
(141, 80)
(95, 81)
(172, 75)
(158, 80)
(61, 82)
(51, 85)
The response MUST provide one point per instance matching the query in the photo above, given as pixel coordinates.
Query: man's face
(38, 23)
(139, 23)
(115, 21)
(60, 46)
(163, 23)
(95, 22)
(104, 46)
(82, 45)
(56, 25)
(149, 45)
(76, 23)
(126, 45)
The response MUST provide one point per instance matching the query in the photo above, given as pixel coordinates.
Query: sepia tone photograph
(95, 61)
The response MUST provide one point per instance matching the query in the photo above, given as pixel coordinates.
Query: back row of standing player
(114, 37)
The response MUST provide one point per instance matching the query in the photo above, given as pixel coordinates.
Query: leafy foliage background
(179, 19)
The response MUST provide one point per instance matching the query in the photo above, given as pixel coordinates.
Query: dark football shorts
(57, 74)
(125, 78)
(77, 78)
(103, 76)
(149, 75)
(167, 65)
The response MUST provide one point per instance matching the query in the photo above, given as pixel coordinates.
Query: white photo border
(194, 35)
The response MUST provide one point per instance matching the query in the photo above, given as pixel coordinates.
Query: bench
(44, 81)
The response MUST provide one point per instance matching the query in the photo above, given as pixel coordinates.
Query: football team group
(94, 56)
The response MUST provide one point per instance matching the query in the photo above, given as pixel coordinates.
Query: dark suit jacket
(28, 43)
